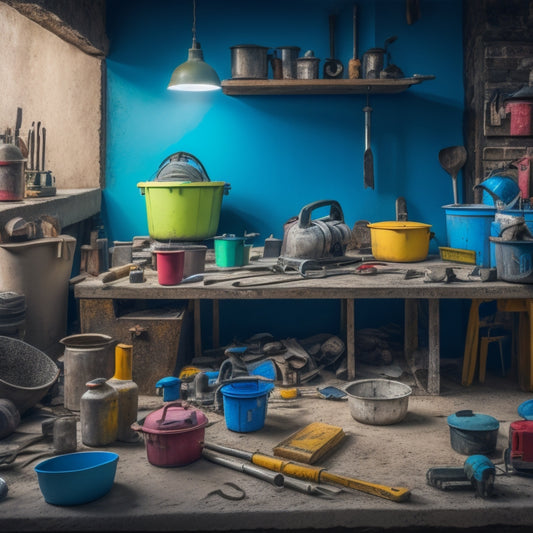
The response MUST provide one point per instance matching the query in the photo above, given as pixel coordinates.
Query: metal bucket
(249, 61)
(87, 356)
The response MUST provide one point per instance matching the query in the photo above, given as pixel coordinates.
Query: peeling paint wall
(56, 83)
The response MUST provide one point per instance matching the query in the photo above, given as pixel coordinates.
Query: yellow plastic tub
(400, 242)
(185, 211)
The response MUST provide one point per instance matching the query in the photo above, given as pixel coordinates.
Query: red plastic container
(170, 265)
(521, 111)
(174, 435)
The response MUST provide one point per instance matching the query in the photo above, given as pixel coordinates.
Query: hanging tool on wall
(333, 68)
(368, 158)
(354, 65)
(315, 474)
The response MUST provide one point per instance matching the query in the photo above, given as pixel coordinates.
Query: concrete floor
(149, 498)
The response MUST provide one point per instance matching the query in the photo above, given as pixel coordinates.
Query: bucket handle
(335, 212)
(192, 420)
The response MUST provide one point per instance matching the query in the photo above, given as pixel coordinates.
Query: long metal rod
(315, 474)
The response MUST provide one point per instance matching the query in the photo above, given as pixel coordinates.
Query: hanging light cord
(193, 21)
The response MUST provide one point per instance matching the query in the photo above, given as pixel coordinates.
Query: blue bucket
(245, 404)
(468, 227)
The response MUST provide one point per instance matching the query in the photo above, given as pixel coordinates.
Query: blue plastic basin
(77, 478)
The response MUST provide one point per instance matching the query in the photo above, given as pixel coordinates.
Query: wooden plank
(410, 329)
(197, 330)
(320, 86)
(216, 324)
(350, 338)
(434, 347)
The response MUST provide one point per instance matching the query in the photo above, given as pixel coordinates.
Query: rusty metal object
(162, 345)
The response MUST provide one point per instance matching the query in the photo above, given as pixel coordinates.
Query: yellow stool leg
(471, 344)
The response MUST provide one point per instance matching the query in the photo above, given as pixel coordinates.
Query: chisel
(315, 474)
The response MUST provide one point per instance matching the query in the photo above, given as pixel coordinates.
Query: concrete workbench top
(69, 205)
(149, 498)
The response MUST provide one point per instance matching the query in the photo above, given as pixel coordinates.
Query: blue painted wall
(282, 152)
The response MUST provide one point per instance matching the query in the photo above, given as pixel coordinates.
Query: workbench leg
(197, 329)
(216, 324)
(410, 328)
(350, 338)
(433, 347)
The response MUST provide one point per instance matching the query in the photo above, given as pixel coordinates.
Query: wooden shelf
(321, 86)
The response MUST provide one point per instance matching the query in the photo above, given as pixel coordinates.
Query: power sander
(478, 472)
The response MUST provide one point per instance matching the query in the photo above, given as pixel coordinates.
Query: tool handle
(396, 494)
(117, 272)
(367, 110)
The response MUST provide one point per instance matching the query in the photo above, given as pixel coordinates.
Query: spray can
(128, 392)
(99, 414)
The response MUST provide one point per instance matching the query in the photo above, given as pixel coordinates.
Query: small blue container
(76, 478)
(473, 433)
(525, 410)
(468, 227)
(245, 404)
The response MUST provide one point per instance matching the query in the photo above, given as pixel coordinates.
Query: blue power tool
(478, 472)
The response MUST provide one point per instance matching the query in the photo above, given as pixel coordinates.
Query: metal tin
(65, 435)
(11, 173)
(373, 60)
(307, 68)
(288, 55)
(87, 356)
(249, 61)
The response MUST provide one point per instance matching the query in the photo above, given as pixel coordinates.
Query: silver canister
(288, 55)
(307, 67)
(249, 61)
(373, 60)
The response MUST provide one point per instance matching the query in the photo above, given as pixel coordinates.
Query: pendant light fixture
(195, 74)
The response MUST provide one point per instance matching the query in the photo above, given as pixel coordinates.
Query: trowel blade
(368, 168)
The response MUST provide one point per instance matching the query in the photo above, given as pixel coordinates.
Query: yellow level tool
(313, 473)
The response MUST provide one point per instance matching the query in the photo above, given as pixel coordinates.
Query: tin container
(307, 68)
(87, 356)
(11, 173)
(249, 61)
(473, 433)
(288, 55)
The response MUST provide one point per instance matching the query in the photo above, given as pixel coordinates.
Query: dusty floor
(148, 498)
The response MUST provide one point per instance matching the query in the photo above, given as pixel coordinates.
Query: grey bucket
(26, 373)
(87, 356)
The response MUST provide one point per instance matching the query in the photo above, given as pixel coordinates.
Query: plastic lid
(173, 418)
(470, 421)
(247, 389)
(525, 410)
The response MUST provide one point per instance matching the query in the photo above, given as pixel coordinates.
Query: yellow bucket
(400, 242)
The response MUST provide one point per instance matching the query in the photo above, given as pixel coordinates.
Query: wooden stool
(484, 350)
(525, 344)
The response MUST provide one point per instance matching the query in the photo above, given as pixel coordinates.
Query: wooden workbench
(345, 288)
